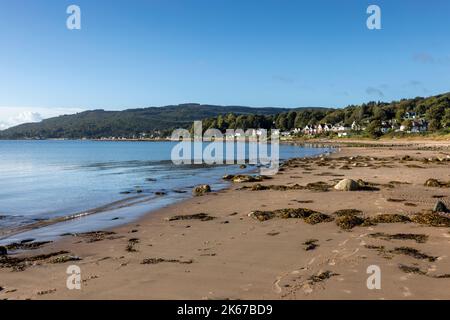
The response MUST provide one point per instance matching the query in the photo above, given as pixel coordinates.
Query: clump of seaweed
(410, 204)
(304, 201)
(259, 187)
(389, 218)
(395, 200)
(318, 217)
(161, 260)
(398, 182)
(348, 212)
(431, 219)
(310, 216)
(301, 213)
(310, 244)
(196, 216)
(28, 244)
(131, 243)
(319, 186)
(412, 252)
(20, 263)
(93, 236)
(348, 222)
(411, 269)
(65, 258)
(419, 238)
(322, 276)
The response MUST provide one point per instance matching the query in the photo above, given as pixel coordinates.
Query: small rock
(432, 183)
(347, 185)
(3, 251)
(440, 207)
(201, 190)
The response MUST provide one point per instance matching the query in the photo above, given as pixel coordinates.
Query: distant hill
(127, 123)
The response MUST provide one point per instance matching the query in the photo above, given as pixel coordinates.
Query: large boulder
(3, 251)
(440, 207)
(347, 185)
(201, 190)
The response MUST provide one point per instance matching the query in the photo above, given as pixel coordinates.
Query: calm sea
(48, 188)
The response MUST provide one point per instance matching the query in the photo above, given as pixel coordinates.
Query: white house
(356, 126)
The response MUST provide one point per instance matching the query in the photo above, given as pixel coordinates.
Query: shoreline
(120, 203)
(235, 256)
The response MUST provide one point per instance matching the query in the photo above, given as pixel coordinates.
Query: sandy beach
(218, 249)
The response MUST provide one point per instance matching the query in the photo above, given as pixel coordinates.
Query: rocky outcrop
(201, 190)
(440, 207)
(436, 183)
(347, 185)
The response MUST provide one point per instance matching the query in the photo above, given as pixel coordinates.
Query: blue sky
(140, 53)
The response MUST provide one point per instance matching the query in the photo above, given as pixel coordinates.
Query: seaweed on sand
(410, 204)
(348, 212)
(26, 245)
(319, 186)
(93, 236)
(161, 260)
(310, 244)
(412, 252)
(20, 263)
(196, 216)
(294, 213)
(349, 221)
(304, 201)
(419, 238)
(310, 216)
(395, 200)
(65, 258)
(322, 276)
(318, 217)
(258, 187)
(389, 218)
(432, 219)
(411, 269)
(131, 243)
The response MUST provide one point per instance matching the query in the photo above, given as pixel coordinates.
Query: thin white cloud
(13, 116)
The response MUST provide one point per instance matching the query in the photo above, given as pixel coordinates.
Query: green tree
(374, 128)
(445, 122)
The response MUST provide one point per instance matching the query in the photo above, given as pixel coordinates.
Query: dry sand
(234, 256)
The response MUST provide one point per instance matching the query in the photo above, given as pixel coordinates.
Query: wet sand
(235, 256)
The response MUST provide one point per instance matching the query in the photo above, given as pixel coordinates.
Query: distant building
(417, 126)
(410, 115)
(310, 130)
(356, 126)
